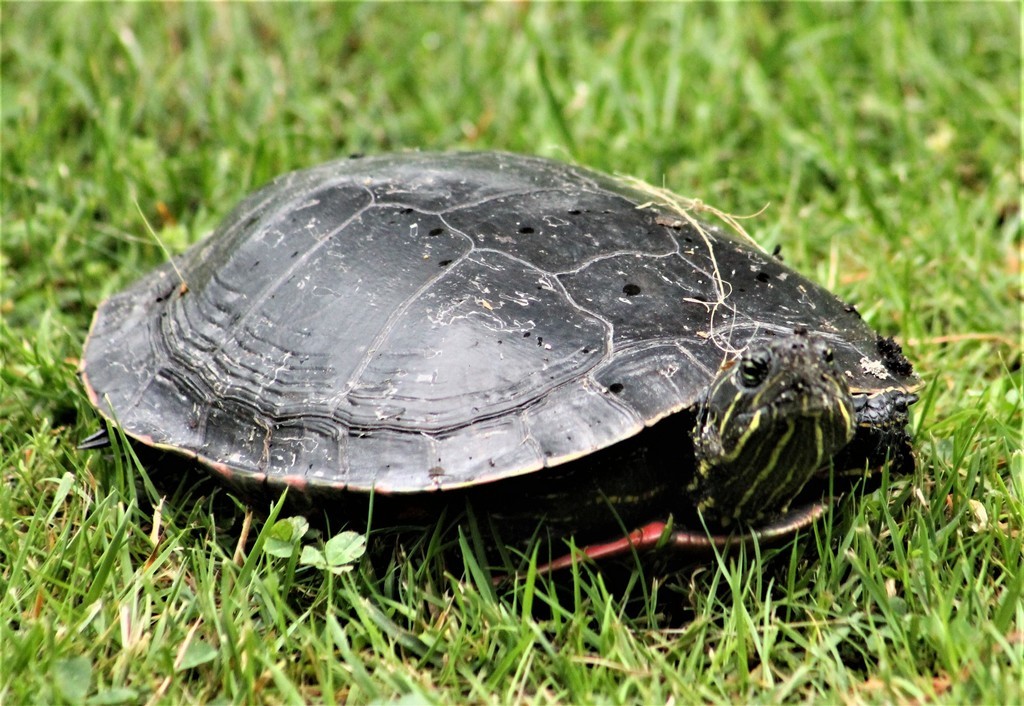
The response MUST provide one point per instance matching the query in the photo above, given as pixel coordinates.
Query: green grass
(885, 140)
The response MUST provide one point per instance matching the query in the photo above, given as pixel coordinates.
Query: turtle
(559, 346)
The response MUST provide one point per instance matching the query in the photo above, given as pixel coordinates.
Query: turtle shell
(429, 321)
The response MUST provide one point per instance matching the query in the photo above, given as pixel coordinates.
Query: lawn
(880, 145)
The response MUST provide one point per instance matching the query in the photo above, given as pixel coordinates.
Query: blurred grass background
(885, 141)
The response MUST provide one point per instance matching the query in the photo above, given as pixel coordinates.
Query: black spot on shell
(436, 231)
(631, 290)
(445, 263)
(526, 229)
(615, 388)
(574, 212)
(762, 277)
(892, 357)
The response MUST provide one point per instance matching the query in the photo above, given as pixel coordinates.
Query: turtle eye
(753, 370)
(828, 355)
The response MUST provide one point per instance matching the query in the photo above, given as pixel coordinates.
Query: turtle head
(770, 420)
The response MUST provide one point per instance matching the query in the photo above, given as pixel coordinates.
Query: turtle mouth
(802, 395)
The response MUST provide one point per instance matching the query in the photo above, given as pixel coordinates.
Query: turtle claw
(98, 440)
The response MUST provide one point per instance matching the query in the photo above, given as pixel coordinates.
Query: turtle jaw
(767, 425)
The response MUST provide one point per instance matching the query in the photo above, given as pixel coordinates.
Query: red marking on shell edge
(94, 399)
(299, 483)
(223, 469)
(382, 489)
(398, 491)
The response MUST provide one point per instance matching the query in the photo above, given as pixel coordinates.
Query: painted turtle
(555, 343)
